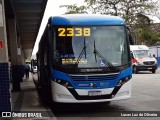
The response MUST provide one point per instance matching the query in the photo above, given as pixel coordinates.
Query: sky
(53, 9)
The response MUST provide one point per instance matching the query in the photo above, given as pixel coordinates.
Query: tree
(143, 30)
(142, 21)
(156, 10)
(127, 9)
(147, 37)
(74, 9)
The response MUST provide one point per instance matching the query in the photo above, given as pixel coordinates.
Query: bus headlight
(123, 81)
(63, 83)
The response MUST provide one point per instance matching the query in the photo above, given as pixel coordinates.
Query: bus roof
(86, 19)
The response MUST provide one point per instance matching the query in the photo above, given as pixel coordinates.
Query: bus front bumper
(63, 95)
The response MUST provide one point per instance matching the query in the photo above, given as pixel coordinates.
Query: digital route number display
(70, 32)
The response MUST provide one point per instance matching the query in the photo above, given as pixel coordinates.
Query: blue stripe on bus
(85, 84)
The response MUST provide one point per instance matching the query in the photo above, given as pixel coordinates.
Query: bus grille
(93, 77)
(149, 63)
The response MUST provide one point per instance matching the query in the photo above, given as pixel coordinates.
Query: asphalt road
(145, 97)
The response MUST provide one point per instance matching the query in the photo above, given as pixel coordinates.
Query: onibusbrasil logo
(22, 114)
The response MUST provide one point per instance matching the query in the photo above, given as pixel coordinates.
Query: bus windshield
(78, 46)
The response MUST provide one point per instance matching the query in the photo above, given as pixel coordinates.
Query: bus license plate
(94, 93)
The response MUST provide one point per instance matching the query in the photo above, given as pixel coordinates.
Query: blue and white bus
(84, 59)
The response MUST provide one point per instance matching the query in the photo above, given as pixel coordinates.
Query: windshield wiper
(82, 52)
(96, 52)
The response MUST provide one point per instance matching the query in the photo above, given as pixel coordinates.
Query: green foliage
(147, 36)
(74, 9)
(156, 9)
(142, 21)
(142, 29)
(127, 9)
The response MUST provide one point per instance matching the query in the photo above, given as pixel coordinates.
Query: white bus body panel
(62, 95)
